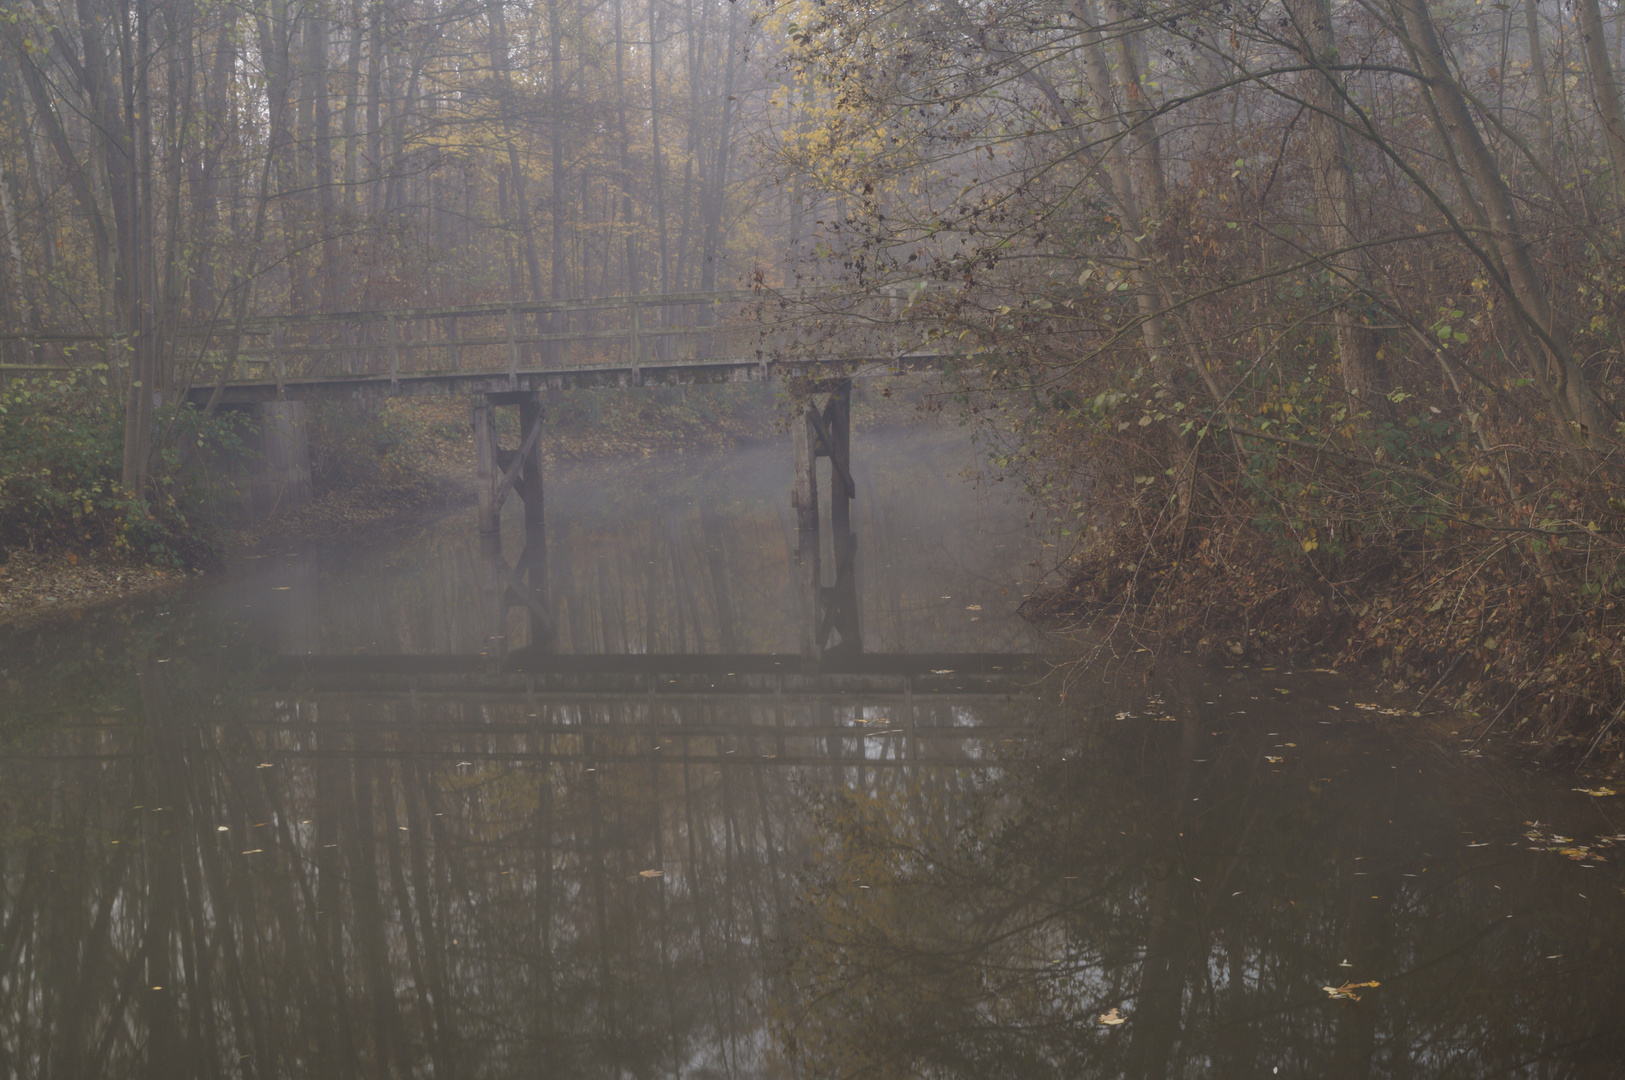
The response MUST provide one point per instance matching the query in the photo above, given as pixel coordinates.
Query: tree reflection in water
(205, 873)
(1175, 873)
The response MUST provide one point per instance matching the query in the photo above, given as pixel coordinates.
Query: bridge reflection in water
(507, 836)
(355, 818)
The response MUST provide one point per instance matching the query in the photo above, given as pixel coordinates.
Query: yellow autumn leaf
(1346, 991)
(1112, 1018)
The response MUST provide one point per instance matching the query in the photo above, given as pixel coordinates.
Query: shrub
(61, 452)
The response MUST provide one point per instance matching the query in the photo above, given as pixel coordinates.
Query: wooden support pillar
(838, 423)
(529, 481)
(494, 595)
(485, 456)
(841, 600)
(532, 570)
(804, 486)
(637, 344)
(276, 359)
(809, 588)
(394, 354)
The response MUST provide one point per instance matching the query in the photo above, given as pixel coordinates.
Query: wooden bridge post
(529, 481)
(838, 420)
(494, 596)
(637, 344)
(394, 354)
(809, 587)
(485, 456)
(804, 486)
(276, 360)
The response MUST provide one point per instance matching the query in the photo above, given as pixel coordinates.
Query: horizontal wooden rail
(518, 339)
(262, 324)
(258, 324)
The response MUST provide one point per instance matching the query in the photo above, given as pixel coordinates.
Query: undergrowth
(61, 448)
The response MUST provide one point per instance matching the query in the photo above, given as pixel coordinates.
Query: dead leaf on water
(651, 873)
(1346, 991)
(1597, 792)
(1112, 1018)
(1273, 760)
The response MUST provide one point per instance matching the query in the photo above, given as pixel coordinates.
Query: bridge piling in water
(831, 625)
(825, 432)
(502, 470)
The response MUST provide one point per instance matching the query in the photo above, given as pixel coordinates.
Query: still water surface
(335, 814)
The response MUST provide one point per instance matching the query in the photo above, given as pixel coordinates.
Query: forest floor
(430, 470)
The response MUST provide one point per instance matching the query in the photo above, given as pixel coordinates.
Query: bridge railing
(620, 330)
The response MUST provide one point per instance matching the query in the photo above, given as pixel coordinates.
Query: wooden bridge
(512, 355)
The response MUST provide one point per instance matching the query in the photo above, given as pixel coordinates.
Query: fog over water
(363, 810)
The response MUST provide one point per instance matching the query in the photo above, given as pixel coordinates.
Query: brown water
(338, 814)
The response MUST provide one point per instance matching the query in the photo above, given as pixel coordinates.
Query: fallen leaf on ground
(1346, 991)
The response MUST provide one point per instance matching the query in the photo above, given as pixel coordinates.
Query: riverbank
(36, 588)
(1484, 640)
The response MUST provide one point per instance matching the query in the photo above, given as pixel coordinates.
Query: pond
(656, 801)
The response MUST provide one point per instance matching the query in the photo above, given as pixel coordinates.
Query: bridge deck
(726, 369)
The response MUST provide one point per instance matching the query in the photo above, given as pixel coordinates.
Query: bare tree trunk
(557, 208)
(375, 129)
(322, 149)
(659, 163)
(1551, 363)
(1122, 175)
(632, 283)
(713, 199)
(1605, 88)
(516, 172)
(1537, 68)
(1336, 205)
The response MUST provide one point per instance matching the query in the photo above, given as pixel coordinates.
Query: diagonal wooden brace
(836, 460)
(505, 483)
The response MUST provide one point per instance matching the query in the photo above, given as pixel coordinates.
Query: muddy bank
(37, 587)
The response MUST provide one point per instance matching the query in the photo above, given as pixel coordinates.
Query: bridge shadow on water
(666, 785)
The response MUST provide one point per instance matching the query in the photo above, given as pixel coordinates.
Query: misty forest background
(1301, 320)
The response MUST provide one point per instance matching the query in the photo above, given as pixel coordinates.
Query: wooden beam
(276, 356)
(804, 486)
(512, 470)
(394, 354)
(827, 437)
(490, 509)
